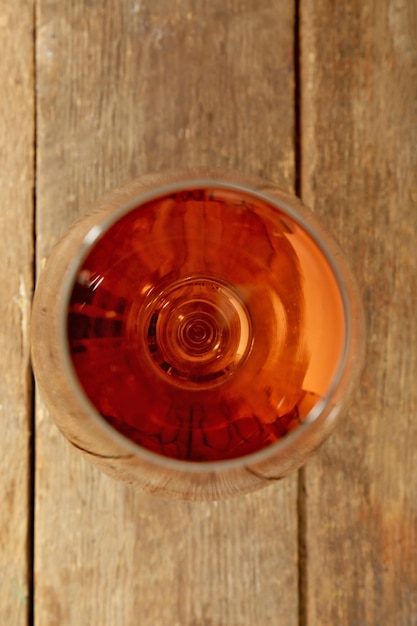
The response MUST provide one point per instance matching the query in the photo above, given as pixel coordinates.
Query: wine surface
(205, 325)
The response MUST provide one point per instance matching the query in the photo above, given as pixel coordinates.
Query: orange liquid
(205, 325)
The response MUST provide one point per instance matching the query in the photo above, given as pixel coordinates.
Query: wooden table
(319, 96)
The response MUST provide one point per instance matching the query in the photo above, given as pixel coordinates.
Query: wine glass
(197, 334)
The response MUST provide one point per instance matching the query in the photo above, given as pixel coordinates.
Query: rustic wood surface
(16, 272)
(359, 166)
(125, 87)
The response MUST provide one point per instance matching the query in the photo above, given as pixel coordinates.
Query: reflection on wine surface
(205, 324)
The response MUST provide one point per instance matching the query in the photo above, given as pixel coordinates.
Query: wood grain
(359, 88)
(16, 269)
(125, 87)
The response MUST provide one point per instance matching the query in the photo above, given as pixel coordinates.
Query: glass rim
(89, 241)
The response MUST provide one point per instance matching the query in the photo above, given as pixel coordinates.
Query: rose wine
(206, 324)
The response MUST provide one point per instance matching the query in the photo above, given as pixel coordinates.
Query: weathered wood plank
(125, 87)
(359, 88)
(16, 270)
